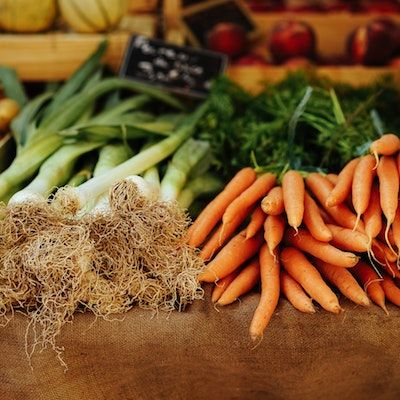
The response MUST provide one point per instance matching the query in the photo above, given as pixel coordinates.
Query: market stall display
(274, 184)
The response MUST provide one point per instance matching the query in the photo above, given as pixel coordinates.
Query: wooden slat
(252, 77)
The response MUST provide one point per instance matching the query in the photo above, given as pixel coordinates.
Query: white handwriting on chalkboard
(177, 65)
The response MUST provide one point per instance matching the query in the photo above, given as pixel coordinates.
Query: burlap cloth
(205, 354)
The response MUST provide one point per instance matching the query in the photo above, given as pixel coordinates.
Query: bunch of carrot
(306, 236)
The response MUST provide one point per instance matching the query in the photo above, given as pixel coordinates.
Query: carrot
(391, 238)
(321, 189)
(389, 191)
(211, 215)
(347, 239)
(293, 197)
(344, 281)
(295, 294)
(222, 235)
(386, 145)
(304, 241)
(363, 177)
(243, 283)
(272, 203)
(373, 216)
(222, 284)
(313, 220)
(274, 228)
(332, 178)
(249, 197)
(370, 280)
(232, 255)
(383, 249)
(256, 222)
(297, 265)
(325, 216)
(342, 188)
(392, 292)
(396, 231)
(269, 271)
(391, 269)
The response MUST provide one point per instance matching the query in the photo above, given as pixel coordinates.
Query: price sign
(179, 69)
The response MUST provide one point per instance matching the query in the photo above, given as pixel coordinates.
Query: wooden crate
(55, 55)
(252, 77)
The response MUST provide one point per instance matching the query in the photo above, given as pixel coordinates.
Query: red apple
(395, 62)
(251, 59)
(227, 38)
(373, 43)
(292, 39)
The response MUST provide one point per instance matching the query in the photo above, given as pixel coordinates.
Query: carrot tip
(256, 338)
(375, 154)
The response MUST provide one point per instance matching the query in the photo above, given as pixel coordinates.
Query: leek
(84, 173)
(110, 156)
(54, 172)
(139, 163)
(202, 185)
(74, 83)
(179, 168)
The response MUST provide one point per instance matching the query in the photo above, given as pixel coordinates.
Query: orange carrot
(313, 220)
(386, 145)
(274, 228)
(295, 294)
(219, 238)
(304, 241)
(373, 216)
(391, 269)
(211, 215)
(297, 265)
(344, 281)
(222, 284)
(272, 203)
(332, 178)
(321, 188)
(249, 197)
(371, 282)
(392, 292)
(269, 271)
(232, 255)
(363, 177)
(293, 197)
(256, 222)
(396, 230)
(387, 253)
(243, 283)
(349, 240)
(389, 191)
(342, 189)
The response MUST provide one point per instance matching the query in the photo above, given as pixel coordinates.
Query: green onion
(202, 185)
(54, 172)
(84, 174)
(138, 163)
(110, 156)
(186, 157)
(74, 83)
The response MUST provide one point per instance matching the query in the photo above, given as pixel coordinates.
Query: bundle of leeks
(94, 203)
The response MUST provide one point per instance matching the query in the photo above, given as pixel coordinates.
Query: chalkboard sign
(186, 3)
(200, 19)
(184, 70)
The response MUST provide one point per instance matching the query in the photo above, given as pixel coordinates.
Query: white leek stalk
(186, 157)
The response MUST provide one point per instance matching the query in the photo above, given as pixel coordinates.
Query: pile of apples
(294, 43)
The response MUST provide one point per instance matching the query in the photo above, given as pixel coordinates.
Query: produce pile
(80, 229)
(94, 213)
(295, 227)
